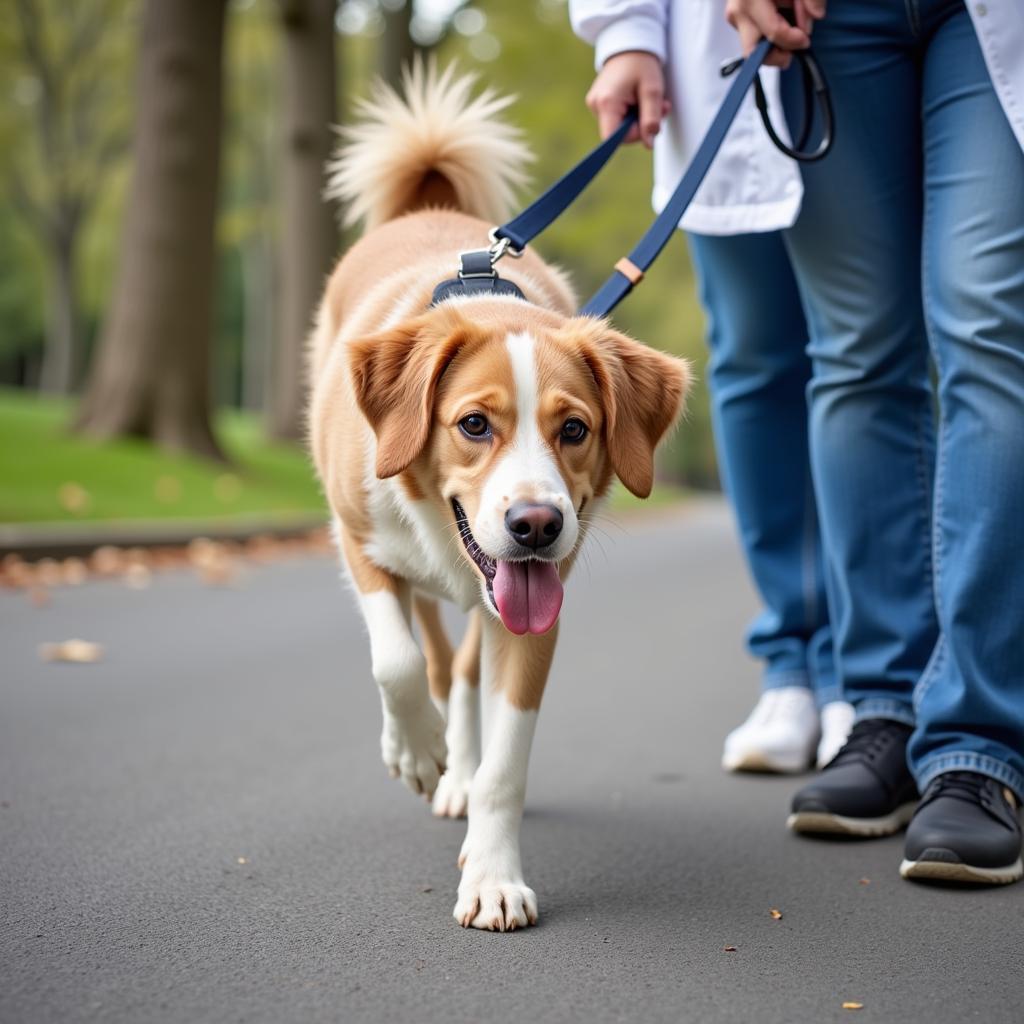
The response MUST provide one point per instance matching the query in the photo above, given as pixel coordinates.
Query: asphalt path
(198, 827)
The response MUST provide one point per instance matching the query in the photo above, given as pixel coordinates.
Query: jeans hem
(878, 707)
(969, 761)
(776, 680)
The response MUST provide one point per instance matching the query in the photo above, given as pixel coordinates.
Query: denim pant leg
(857, 253)
(758, 375)
(970, 702)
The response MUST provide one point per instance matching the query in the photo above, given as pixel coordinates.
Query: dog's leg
(412, 742)
(492, 893)
(463, 733)
(437, 649)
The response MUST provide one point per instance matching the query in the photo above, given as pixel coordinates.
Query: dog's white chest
(412, 540)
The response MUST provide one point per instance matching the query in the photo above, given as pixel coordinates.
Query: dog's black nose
(533, 526)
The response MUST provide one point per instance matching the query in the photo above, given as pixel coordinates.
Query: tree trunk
(60, 354)
(397, 48)
(151, 375)
(309, 238)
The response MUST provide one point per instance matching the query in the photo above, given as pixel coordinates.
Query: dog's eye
(475, 426)
(573, 431)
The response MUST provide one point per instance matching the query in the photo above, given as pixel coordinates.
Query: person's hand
(756, 18)
(631, 78)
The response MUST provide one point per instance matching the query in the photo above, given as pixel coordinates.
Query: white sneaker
(836, 723)
(779, 735)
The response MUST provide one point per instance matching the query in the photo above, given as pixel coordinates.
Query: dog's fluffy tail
(435, 146)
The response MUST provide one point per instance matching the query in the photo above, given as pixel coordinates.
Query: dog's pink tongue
(528, 596)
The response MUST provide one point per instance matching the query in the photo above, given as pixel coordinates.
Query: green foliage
(49, 475)
(66, 83)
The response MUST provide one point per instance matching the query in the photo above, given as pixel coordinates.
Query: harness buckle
(501, 247)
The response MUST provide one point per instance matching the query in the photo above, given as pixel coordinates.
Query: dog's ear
(395, 375)
(642, 391)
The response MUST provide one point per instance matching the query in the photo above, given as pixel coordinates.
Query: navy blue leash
(543, 211)
(477, 272)
(630, 270)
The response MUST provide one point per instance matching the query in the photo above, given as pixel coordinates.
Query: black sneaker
(966, 829)
(865, 790)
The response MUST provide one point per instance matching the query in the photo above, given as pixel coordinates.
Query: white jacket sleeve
(613, 26)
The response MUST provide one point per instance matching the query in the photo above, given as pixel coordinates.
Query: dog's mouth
(526, 593)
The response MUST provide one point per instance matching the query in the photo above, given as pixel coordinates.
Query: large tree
(151, 374)
(68, 116)
(309, 238)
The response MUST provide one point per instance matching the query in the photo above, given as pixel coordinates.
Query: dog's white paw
(413, 748)
(495, 905)
(451, 798)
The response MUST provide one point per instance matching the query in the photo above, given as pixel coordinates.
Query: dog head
(513, 422)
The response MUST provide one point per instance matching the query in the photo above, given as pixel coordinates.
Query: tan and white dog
(461, 447)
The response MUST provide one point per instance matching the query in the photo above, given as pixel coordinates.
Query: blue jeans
(910, 242)
(759, 374)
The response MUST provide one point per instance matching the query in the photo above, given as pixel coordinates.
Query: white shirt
(751, 186)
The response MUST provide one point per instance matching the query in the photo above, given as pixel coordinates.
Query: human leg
(758, 375)
(967, 751)
(856, 251)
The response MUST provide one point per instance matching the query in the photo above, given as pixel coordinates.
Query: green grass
(49, 475)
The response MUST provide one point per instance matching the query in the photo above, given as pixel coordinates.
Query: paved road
(242, 723)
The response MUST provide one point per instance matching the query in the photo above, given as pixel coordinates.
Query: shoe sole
(953, 871)
(824, 823)
(757, 762)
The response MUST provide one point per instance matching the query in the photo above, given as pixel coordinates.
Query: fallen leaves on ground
(728, 949)
(78, 651)
(853, 1006)
(776, 914)
(216, 562)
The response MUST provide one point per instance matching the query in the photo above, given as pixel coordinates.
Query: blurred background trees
(94, 296)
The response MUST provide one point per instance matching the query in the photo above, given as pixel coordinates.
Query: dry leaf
(776, 914)
(729, 949)
(49, 572)
(853, 1006)
(243, 860)
(73, 497)
(865, 881)
(138, 577)
(80, 651)
(74, 572)
(167, 489)
(107, 560)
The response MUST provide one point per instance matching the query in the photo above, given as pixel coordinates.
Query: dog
(462, 446)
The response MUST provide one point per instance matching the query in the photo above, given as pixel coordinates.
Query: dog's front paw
(497, 906)
(413, 747)
(452, 797)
